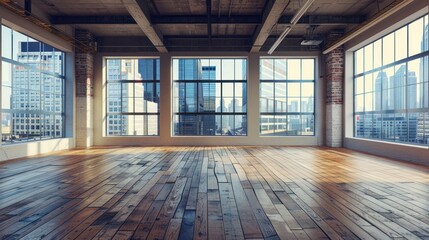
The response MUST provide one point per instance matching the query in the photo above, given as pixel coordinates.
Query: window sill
(387, 142)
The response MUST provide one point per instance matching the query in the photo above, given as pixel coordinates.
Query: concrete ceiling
(189, 18)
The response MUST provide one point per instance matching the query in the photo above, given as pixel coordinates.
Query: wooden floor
(213, 192)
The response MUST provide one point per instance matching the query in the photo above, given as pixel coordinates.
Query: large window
(391, 86)
(132, 96)
(210, 96)
(32, 89)
(287, 96)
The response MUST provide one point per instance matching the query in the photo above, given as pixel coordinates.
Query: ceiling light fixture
(301, 12)
(279, 39)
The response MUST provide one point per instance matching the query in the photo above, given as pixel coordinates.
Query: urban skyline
(397, 109)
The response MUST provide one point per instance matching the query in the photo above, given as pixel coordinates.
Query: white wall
(11, 151)
(166, 138)
(417, 154)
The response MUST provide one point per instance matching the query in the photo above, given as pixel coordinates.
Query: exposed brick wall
(334, 75)
(84, 64)
(84, 74)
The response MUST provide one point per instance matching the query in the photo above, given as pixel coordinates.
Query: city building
(225, 119)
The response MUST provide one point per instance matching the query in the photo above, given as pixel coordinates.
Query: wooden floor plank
(216, 192)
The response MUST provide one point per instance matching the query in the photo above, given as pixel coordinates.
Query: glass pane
(358, 60)
(176, 70)
(147, 69)
(294, 69)
(267, 125)
(228, 125)
(415, 37)
(307, 105)
(280, 90)
(228, 90)
(368, 50)
(281, 125)
(280, 104)
(293, 104)
(113, 68)
(267, 69)
(369, 83)
(307, 125)
(191, 97)
(127, 69)
(207, 97)
(307, 90)
(308, 69)
(388, 46)
(359, 103)
(240, 69)
(6, 42)
(401, 43)
(293, 89)
(369, 102)
(208, 125)
(377, 53)
(294, 125)
(151, 124)
(280, 69)
(228, 69)
(240, 125)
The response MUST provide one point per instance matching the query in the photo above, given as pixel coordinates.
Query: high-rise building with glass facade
(209, 101)
(133, 96)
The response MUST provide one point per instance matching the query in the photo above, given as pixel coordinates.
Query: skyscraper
(37, 96)
(189, 70)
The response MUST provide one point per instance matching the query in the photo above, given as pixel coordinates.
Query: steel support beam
(272, 13)
(140, 12)
(27, 7)
(209, 19)
(195, 43)
(202, 19)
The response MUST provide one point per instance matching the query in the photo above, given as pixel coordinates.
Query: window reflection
(287, 100)
(210, 97)
(391, 97)
(133, 93)
(32, 89)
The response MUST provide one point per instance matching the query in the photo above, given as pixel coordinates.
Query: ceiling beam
(140, 12)
(199, 43)
(202, 19)
(209, 19)
(272, 13)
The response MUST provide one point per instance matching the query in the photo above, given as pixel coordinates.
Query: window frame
(406, 111)
(197, 113)
(286, 82)
(26, 116)
(155, 81)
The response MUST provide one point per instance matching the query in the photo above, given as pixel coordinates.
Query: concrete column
(166, 118)
(84, 74)
(334, 96)
(253, 97)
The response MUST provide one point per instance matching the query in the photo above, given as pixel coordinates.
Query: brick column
(84, 63)
(334, 96)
